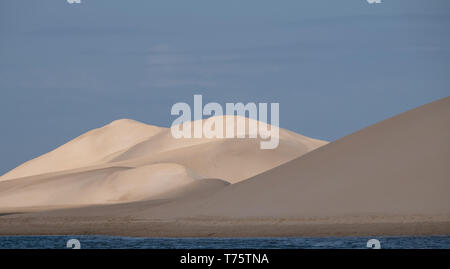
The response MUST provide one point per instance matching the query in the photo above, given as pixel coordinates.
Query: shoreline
(215, 228)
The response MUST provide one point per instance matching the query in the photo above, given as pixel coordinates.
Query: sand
(88, 149)
(391, 178)
(127, 161)
(399, 166)
(126, 226)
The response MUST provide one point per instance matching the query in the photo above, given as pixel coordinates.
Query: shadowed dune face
(227, 159)
(128, 161)
(399, 166)
(102, 186)
(72, 189)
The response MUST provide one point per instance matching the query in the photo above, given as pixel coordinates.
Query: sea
(119, 242)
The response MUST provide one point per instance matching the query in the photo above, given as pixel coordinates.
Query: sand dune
(164, 141)
(399, 166)
(129, 161)
(226, 159)
(232, 160)
(106, 186)
(390, 178)
(87, 149)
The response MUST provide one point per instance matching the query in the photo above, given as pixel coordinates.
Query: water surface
(118, 242)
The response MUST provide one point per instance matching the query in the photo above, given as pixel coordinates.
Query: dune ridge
(87, 149)
(127, 161)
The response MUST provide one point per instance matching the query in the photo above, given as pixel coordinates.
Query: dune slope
(87, 149)
(399, 166)
(232, 160)
(100, 186)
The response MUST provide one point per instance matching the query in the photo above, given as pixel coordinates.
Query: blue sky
(334, 66)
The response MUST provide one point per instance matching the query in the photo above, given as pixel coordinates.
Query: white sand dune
(398, 167)
(101, 186)
(228, 159)
(390, 178)
(87, 149)
(232, 160)
(129, 161)
(164, 141)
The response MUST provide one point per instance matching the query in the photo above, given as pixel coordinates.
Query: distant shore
(25, 225)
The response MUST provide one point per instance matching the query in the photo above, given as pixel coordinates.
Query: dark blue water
(115, 242)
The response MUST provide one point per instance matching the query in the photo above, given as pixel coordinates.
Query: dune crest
(127, 161)
(232, 160)
(87, 149)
